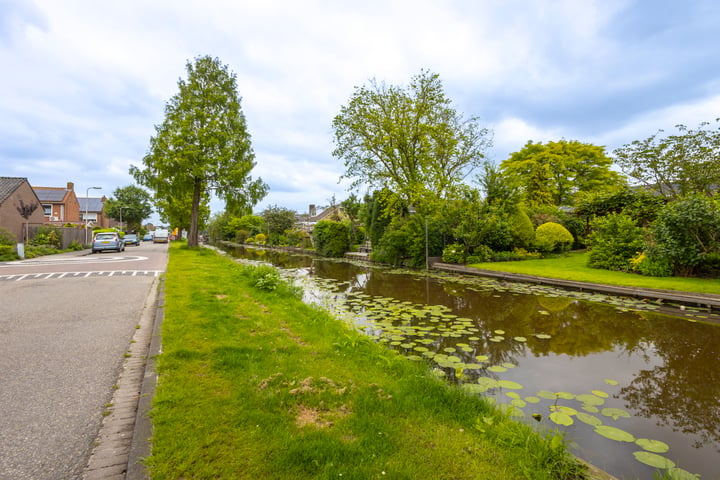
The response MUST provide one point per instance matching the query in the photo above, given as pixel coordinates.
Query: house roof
(50, 194)
(8, 185)
(94, 204)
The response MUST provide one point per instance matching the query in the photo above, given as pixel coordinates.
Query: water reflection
(665, 366)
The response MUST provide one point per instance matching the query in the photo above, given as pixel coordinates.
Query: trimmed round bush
(553, 237)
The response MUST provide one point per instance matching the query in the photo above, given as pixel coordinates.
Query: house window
(48, 210)
(91, 216)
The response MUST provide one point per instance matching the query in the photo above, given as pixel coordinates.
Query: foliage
(75, 246)
(614, 241)
(677, 165)
(202, 145)
(265, 277)
(552, 174)
(6, 237)
(48, 236)
(502, 192)
(685, 233)
(7, 253)
(515, 255)
(260, 239)
(454, 253)
(641, 205)
(277, 221)
(481, 253)
(130, 204)
(404, 241)
(299, 238)
(522, 230)
(553, 237)
(409, 140)
(331, 239)
(240, 228)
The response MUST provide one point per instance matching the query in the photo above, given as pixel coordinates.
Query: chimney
(71, 186)
(311, 211)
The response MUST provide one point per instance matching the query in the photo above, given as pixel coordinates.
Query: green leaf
(561, 418)
(589, 419)
(510, 384)
(615, 413)
(680, 474)
(600, 393)
(614, 433)
(653, 459)
(588, 399)
(652, 445)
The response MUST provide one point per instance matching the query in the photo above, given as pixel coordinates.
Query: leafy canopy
(408, 140)
(202, 146)
(552, 174)
(130, 204)
(676, 165)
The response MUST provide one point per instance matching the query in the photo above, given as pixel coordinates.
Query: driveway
(66, 322)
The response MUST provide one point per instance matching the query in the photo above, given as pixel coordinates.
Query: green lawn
(574, 267)
(257, 384)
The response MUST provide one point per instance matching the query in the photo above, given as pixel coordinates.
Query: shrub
(48, 236)
(454, 253)
(7, 253)
(6, 237)
(614, 241)
(521, 229)
(331, 239)
(684, 233)
(516, 255)
(266, 277)
(299, 238)
(481, 253)
(655, 267)
(75, 246)
(553, 237)
(260, 239)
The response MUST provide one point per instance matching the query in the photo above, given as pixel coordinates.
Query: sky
(85, 82)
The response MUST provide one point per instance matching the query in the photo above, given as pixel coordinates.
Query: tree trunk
(193, 233)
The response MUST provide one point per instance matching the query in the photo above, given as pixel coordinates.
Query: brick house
(94, 207)
(60, 205)
(15, 192)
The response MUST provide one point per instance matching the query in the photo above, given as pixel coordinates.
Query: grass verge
(256, 384)
(574, 267)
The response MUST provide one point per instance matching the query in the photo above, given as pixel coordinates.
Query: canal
(635, 390)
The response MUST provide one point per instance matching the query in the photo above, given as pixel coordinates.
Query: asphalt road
(66, 322)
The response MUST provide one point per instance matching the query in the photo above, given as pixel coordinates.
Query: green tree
(202, 145)
(553, 237)
(409, 140)
(132, 204)
(331, 239)
(240, 228)
(277, 221)
(676, 165)
(552, 174)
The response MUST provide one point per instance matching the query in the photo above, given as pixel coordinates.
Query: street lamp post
(87, 204)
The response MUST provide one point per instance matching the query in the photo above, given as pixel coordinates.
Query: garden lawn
(574, 267)
(256, 384)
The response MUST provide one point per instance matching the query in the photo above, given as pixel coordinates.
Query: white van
(161, 236)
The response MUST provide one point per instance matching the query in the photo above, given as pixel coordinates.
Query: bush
(48, 236)
(7, 253)
(266, 277)
(6, 237)
(655, 267)
(684, 233)
(454, 253)
(614, 241)
(299, 238)
(260, 239)
(521, 229)
(553, 237)
(75, 246)
(481, 253)
(331, 239)
(515, 255)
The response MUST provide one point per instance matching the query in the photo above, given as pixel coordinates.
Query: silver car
(107, 241)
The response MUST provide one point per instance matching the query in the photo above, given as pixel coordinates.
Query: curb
(123, 439)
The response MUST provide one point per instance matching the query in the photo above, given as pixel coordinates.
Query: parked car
(161, 236)
(147, 237)
(131, 239)
(107, 241)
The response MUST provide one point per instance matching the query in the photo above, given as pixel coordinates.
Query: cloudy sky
(84, 82)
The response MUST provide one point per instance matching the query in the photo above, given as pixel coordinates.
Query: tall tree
(409, 140)
(676, 165)
(202, 146)
(552, 174)
(130, 204)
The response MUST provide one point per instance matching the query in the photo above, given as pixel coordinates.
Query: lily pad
(508, 365)
(518, 402)
(512, 395)
(499, 332)
(532, 399)
(652, 445)
(561, 418)
(611, 382)
(565, 395)
(588, 399)
(590, 408)
(653, 459)
(542, 336)
(546, 395)
(589, 419)
(488, 382)
(614, 433)
(615, 413)
(600, 393)
(520, 339)
(497, 369)
(510, 384)
(563, 409)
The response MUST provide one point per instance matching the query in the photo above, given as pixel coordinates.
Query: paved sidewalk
(123, 440)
